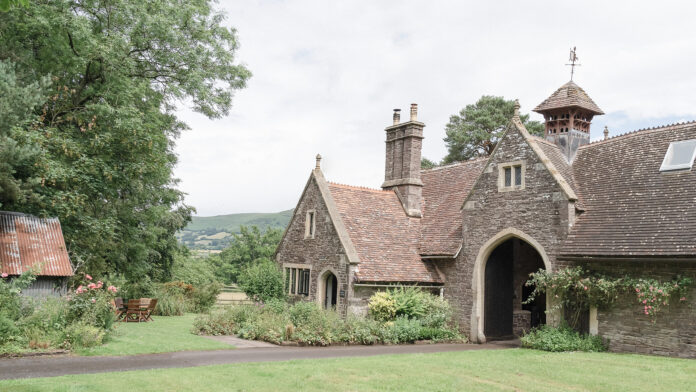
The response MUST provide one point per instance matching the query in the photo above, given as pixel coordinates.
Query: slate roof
(568, 95)
(26, 240)
(444, 191)
(385, 238)
(632, 209)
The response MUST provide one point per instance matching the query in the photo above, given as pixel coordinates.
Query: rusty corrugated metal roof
(27, 240)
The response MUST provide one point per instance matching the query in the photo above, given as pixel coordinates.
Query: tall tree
(18, 99)
(107, 129)
(475, 131)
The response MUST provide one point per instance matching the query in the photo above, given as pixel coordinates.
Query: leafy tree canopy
(475, 131)
(246, 248)
(427, 163)
(105, 125)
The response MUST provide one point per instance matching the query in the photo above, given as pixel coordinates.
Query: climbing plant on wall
(576, 290)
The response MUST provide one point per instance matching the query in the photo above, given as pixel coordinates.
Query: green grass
(495, 370)
(165, 334)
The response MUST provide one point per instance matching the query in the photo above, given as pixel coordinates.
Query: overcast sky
(327, 75)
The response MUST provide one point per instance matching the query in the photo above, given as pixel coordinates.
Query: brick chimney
(403, 161)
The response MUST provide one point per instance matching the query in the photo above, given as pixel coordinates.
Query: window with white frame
(511, 176)
(297, 281)
(310, 224)
(680, 156)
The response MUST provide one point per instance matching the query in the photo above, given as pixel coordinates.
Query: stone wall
(628, 329)
(322, 253)
(540, 211)
(521, 322)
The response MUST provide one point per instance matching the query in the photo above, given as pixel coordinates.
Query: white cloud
(328, 74)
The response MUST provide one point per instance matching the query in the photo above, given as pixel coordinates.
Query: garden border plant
(396, 316)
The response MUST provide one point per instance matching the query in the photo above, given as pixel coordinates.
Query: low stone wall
(521, 322)
(628, 329)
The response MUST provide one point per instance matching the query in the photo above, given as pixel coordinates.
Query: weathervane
(573, 62)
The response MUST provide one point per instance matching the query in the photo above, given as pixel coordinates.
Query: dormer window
(680, 156)
(511, 176)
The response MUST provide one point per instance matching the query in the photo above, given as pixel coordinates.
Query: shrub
(82, 334)
(360, 330)
(410, 302)
(8, 330)
(382, 306)
(302, 313)
(225, 321)
(91, 304)
(312, 325)
(262, 280)
(402, 330)
(561, 339)
(268, 327)
(10, 301)
(204, 297)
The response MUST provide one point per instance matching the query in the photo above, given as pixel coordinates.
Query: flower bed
(409, 316)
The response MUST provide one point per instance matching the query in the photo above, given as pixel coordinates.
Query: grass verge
(165, 334)
(494, 370)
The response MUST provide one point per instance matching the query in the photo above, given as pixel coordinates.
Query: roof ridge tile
(642, 131)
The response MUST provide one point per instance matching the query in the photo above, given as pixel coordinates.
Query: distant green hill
(230, 223)
(213, 233)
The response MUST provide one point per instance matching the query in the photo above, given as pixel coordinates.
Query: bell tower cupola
(568, 114)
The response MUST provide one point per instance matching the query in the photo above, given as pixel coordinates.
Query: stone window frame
(501, 176)
(310, 224)
(289, 281)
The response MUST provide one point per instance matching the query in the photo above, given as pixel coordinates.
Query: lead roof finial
(318, 162)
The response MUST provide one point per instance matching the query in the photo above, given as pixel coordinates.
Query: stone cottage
(473, 231)
(27, 242)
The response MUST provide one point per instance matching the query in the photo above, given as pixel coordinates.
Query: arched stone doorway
(328, 290)
(507, 269)
(502, 267)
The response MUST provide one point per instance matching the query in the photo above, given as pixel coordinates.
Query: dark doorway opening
(330, 291)
(507, 270)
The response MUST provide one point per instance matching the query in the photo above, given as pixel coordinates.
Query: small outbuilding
(28, 241)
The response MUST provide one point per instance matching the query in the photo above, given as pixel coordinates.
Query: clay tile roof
(632, 209)
(444, 191)
(26, 241)
(385, 238)
(568, 95)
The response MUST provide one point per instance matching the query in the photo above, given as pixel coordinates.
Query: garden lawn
(164, 334)
(485, 370)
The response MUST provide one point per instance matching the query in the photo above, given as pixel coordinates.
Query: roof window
(680, 156)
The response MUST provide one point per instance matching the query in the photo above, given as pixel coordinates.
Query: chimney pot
(397, 116)
(414, 111)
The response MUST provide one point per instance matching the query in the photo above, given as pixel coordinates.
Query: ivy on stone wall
(575, 290)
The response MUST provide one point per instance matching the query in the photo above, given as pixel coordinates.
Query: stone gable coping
(343, 236)
(517, 124)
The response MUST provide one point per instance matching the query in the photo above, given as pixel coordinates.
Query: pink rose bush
(92, 303)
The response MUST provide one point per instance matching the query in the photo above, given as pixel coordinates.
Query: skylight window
(680, 156)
